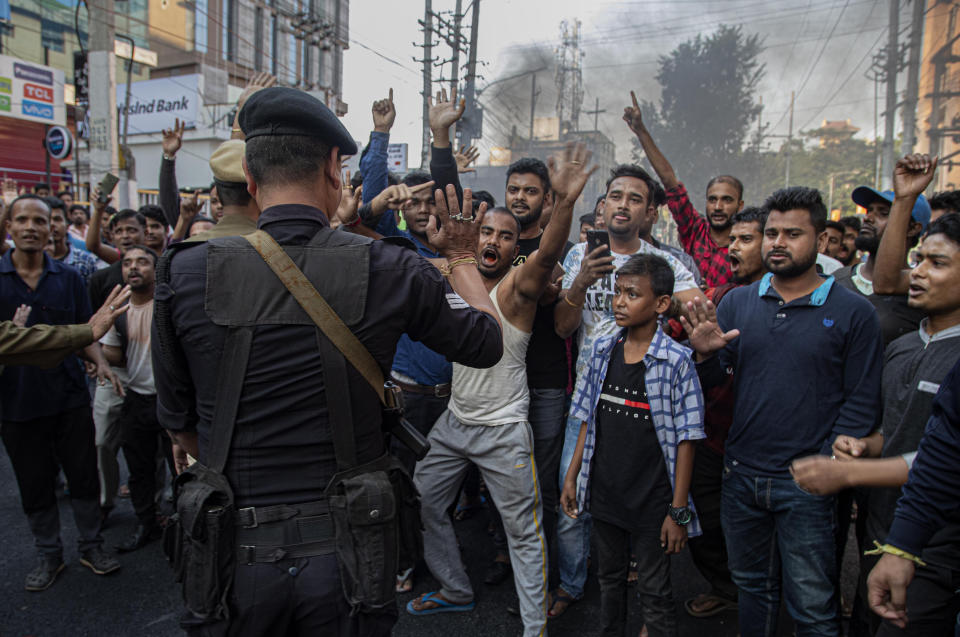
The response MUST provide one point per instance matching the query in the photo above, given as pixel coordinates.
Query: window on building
(258, 39)
(291, 59)
(307, 65)
(200, 25)
(274, 44)
(228, 34)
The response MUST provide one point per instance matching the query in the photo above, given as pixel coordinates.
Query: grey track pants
(504, 455)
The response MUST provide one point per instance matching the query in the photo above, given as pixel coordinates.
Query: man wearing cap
(282, 455)
(896, 317)
(240, 211)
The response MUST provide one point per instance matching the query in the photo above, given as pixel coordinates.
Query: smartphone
(107, 184)
(596, 238)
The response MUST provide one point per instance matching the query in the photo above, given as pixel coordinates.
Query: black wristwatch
(681, 515)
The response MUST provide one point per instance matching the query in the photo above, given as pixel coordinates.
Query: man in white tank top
(486, 421)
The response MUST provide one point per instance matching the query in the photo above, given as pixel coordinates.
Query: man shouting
(486, 422)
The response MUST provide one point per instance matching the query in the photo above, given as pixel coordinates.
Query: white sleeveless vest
(497, 395)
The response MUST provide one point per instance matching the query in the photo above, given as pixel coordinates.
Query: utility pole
(596, 115)
(455, 61)
(789, 141)
(103, 92)
(890, 114)
(913, 79)
(427, 25)
(471, 125)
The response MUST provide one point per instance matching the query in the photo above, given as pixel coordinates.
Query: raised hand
(384, 112)
(569, 172)
(466, 156)
(395, 196)
(702, 328)
(444, 113)
(172, 138)
(113, 307)
(100, 206)
(190, 206)
(9, 189)
(349, 202)
(21, 315)
(257, 82)
(913, 174)
(457, 236)
(632, 115)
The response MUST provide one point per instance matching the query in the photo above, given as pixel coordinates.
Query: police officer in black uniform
(282, 451)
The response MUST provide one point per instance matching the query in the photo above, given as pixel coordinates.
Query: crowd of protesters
(773, 384)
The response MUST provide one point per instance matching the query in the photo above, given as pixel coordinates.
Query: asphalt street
(143, 600)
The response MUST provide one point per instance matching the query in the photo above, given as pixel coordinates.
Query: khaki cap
(226, 162)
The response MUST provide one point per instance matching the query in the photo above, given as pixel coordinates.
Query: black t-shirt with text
(629, 485)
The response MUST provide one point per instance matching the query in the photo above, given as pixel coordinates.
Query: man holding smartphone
(587, 303)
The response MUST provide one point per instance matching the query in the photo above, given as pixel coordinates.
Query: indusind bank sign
(155, 104)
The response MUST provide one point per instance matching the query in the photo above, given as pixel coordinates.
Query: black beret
(288, 111)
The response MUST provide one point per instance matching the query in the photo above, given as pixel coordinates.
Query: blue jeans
(771, 525)
(573, 534)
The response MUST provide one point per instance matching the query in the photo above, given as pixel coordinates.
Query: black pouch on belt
(199, 541)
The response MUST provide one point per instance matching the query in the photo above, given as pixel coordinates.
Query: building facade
(938, 112)
(221, 42)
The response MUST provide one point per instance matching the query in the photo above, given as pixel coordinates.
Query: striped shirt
(675, 402)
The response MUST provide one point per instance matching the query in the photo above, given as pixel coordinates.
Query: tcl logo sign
(40, 93)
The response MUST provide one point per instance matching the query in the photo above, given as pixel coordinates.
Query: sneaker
(99, 562)
(43, 577)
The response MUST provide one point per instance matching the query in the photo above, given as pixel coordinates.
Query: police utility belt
(369, 515)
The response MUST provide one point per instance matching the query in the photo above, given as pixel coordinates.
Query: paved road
(142, 599)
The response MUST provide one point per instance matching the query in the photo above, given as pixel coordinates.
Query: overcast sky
(818, 48)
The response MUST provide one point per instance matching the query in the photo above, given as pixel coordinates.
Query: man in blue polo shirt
(47, 422)
(807, 355)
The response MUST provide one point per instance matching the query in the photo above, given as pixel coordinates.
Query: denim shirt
(676, 405)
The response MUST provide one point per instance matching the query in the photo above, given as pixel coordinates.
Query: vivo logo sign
(36, 109)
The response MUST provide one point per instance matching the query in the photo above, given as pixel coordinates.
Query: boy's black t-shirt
(629, 485)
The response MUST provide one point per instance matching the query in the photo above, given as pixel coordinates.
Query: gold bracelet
(236, 129)
(892, 550)
(571, 303)
(447, 268)
(461, 261)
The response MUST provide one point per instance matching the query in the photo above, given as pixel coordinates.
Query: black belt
(247, 554)
(437, 391)
(252, 517)
(284, 531)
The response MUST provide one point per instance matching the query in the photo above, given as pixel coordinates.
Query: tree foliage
(707, 102)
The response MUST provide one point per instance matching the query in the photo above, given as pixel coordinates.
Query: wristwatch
(681, 515)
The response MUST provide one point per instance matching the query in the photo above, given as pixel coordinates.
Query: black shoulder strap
(233, 369)
(339, 409)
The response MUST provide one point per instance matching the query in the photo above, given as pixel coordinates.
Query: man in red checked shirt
(704, 238)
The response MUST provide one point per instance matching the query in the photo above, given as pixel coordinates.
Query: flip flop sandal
(557, 596)
(443, 606)
(719, 605)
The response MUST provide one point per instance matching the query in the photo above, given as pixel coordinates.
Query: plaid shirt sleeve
(694, 233)
(687, 402)
(583, 405)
